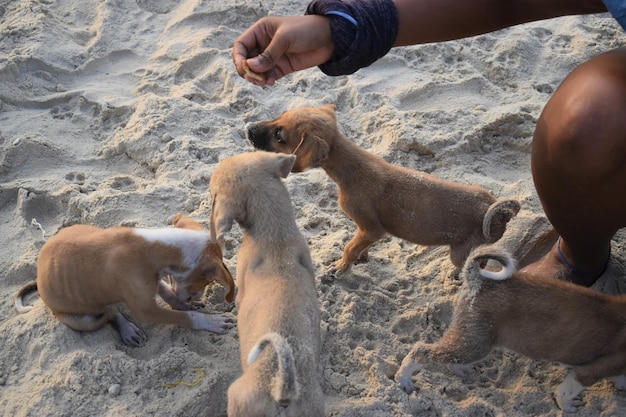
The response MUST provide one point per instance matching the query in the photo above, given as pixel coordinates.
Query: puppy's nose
(252, 131)
(255, 136)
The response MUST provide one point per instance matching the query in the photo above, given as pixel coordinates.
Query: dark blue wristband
(363, 31)
(617, 8)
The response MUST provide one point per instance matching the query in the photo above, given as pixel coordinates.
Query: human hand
(276, 46)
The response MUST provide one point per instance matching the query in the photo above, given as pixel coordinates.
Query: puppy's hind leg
(86, 322)
(131, 334)
(453, 348)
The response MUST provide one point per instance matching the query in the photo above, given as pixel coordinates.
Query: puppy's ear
(222, 275)
(329, 109)
(222, 218)
(312, 151)
(176, 219)
(285, 164)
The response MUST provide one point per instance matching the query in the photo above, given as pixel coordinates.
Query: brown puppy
(381, 197)
(540, 317)
(277, 299)
(84, 269)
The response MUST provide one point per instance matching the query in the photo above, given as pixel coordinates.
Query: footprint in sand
(41, 211)
(123, 184)
(75, 177)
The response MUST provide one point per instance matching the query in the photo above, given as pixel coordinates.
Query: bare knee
(579, 155)
(582, 129)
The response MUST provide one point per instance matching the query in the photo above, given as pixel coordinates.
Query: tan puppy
(381, 197)
(84, 269)
(540, 317)
(276, 299)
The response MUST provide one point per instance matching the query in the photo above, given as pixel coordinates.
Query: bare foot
(554, 264)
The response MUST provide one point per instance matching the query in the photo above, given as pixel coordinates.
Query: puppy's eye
(278, 136)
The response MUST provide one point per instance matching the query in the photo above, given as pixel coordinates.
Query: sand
(117, 112)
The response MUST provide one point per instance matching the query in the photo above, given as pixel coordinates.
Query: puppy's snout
(255, 136)
(251, 129)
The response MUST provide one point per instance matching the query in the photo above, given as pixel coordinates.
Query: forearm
(423, 21)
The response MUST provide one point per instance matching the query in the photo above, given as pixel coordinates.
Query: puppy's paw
(569, 405)
(567, 395)
(405, 374)
(131, 334)
(339, 269)
(405, 381)
(224, 321)
(217, 323)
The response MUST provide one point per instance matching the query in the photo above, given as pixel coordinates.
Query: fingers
(243, 48)
(251, 74)
(247, 48)
(264, 69)
(258, 51)
(276, 46)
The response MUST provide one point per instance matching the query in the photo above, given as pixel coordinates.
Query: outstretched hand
(276, 46)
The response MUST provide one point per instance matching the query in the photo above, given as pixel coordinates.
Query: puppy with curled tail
(381, 197)
(277, 300)
(543, 318)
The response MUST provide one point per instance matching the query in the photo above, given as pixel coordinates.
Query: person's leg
(579, 167)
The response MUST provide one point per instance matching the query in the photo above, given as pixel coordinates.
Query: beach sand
(117, 112)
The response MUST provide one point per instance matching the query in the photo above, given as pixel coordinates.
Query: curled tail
(474, 269)
(18, 298)
(496, 218)
(284, 386)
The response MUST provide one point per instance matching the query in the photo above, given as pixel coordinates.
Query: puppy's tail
(475, 266)
(496, 218)
(284, 384)
(18, 298)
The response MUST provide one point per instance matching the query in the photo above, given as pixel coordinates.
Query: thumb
(269, 57)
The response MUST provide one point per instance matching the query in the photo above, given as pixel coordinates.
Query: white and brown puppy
(381, 197)
(540, 317)
(84, 269)
(276, 299)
